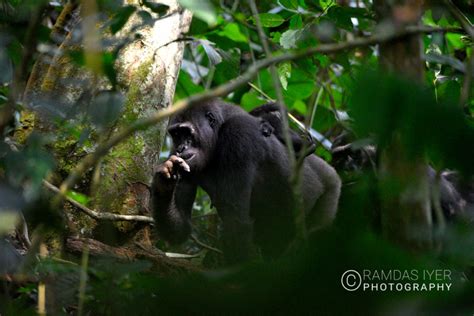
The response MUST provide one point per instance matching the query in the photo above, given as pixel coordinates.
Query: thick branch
(228, 87)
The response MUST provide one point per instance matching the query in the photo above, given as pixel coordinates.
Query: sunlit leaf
(290, 38)
(78, 197)
(251, 100)
(269, 20)
(232, 31)
(284, 72)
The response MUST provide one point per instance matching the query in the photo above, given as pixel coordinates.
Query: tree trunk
(406, 213)
(147, 70)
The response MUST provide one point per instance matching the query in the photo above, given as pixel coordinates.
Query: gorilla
(270, 115)
(221, 148)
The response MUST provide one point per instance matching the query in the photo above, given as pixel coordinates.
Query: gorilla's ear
(211, 118)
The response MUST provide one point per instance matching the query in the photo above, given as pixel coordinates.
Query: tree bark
(406, 211)
(147, 69)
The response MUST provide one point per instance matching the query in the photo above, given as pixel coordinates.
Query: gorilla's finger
(180, 162)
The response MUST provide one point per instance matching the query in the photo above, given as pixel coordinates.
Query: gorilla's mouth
(187, 156)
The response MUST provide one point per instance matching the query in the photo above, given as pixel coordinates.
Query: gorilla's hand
(166, 174)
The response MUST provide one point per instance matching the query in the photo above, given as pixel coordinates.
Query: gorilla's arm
(172, 200)
(10, 259)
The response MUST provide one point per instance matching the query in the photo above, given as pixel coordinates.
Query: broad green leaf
(284, 72)
(232, 32)
(450, 91)
(269, 20)
(251, 100)
(325, 4)
(202, 9)
(324, 119)
(296, 22)
(289, 4)
(108, 64)
(275, 36)
(299, 106)
(341, 17)
(301, 90)
(186, 86)
(78, 197)
(229, 68)
(290, 38)
(455, 40)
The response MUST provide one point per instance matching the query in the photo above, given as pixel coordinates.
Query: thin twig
(224, 89)
(200, 243)
(100, 215)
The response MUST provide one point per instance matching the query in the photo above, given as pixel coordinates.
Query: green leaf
(284, 72)
(296, 22)
(455, 40)
(324, 119)
(108, 63)
(300, 90)
(299, 106)
(186, 86)
(275, 36)
(78, 197)
(325, 4)
(269, 20)
(121, 18)
(202, 9)
(229, 68)
(289, 4)
(232, 31)
(251, 100)
(290, 38)
(450, 91)
(340, 17)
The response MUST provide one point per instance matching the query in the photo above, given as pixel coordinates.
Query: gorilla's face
(194, 133)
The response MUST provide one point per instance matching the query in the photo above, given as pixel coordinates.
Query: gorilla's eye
(211, 118)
